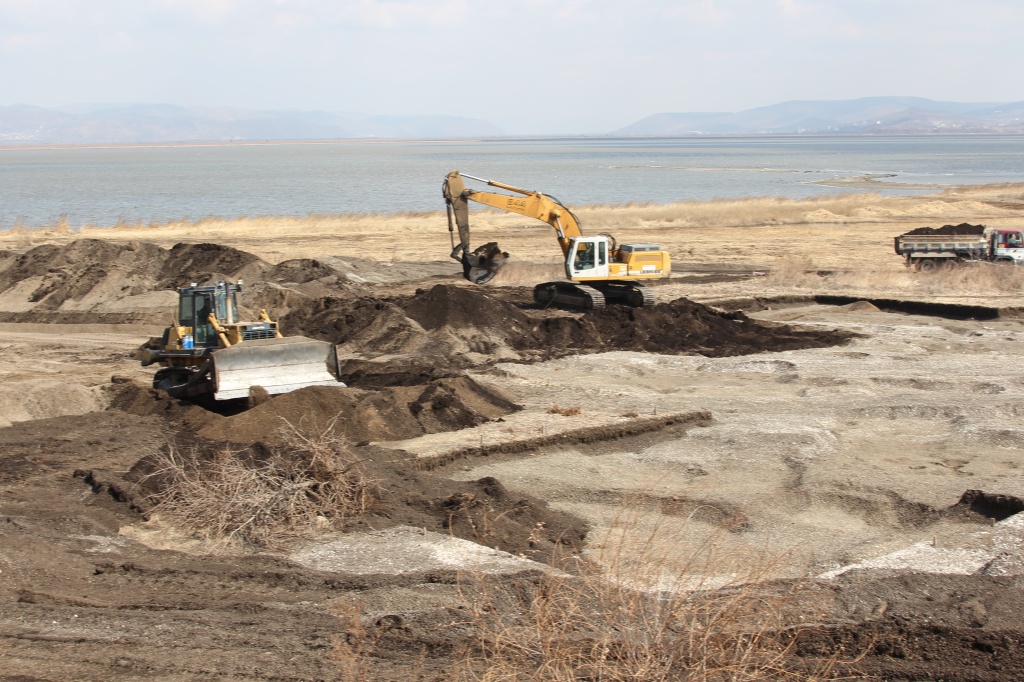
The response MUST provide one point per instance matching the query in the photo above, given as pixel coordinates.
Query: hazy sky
(527, 66)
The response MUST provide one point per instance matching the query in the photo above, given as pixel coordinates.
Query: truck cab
(1008, 245)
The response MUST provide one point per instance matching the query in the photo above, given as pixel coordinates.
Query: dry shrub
(653, 614)
(564, 411)
(353, 651)
(794, 271)
(309, 482)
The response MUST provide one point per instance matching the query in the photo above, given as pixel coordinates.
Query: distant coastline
(505, 138)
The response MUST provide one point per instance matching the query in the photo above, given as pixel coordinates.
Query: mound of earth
(92, 280)
(458, 327)
(482, 511)
(363, 416)
(354, 414)
(962, 228)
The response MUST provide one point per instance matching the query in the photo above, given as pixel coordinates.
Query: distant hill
(143, 123)
(875, 115)
(154, 123)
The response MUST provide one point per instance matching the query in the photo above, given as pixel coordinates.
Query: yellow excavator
(208, 350)
(598, 268)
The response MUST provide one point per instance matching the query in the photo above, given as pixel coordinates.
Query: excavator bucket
(483, 263)
(276, 365)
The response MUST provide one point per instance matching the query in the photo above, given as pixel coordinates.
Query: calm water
(160, 184)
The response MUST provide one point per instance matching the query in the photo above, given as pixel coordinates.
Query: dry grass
(841, 209)
(564, 411)
(838, 231)
(658, 613)
(308, 483)
(978, 280)
(353, 652)
(628, 615)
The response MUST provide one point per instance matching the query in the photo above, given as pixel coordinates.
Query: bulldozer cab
(196, 304)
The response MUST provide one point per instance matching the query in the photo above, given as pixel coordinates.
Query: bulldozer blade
(276, 365)
(483, 263)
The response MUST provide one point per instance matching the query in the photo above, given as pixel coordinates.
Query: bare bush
(309, 482)
(564, 411)
(794, 271)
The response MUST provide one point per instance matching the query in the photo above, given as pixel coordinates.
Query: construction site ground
(786, 411)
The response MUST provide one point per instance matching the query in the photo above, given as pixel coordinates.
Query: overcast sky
(527, 66)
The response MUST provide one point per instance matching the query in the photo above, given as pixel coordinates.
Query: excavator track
(569, 295)
(627, 293)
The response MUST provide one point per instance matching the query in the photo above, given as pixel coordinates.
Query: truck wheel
(927, 264)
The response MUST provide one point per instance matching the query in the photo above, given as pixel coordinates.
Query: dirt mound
(300, 271)
(482, 511)
(357, 415)
(457, 327)
(50, 275)
(204, 263)
(962, 228)
(461, 307)
(679, 327)
(133, 398)
(91, 276)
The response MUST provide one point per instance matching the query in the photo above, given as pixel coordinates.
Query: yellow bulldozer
(208, 350)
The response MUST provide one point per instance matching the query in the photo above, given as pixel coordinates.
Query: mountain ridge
(865, 115)
(22, 124)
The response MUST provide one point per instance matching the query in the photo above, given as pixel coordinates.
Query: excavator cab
(588, 258)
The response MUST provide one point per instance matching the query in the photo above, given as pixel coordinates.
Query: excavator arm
(482, 264)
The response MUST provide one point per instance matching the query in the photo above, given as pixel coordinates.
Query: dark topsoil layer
(482, 511)
(446, 321)
(962, 228)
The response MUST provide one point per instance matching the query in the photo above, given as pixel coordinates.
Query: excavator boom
(485, 262)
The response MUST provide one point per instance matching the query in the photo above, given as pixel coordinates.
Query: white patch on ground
(402, 550)
(1000, 557)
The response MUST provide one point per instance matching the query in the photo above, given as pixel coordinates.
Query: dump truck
(927, 248)
(208, 350)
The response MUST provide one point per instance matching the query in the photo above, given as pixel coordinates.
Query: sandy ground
(841, 465)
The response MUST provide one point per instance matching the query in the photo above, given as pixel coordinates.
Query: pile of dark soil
(482, 511)
(103, 271)
(962, 228)
(357, 415)
(362, 416)
(449, 324)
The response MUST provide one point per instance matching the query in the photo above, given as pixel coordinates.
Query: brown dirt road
(823, 443)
